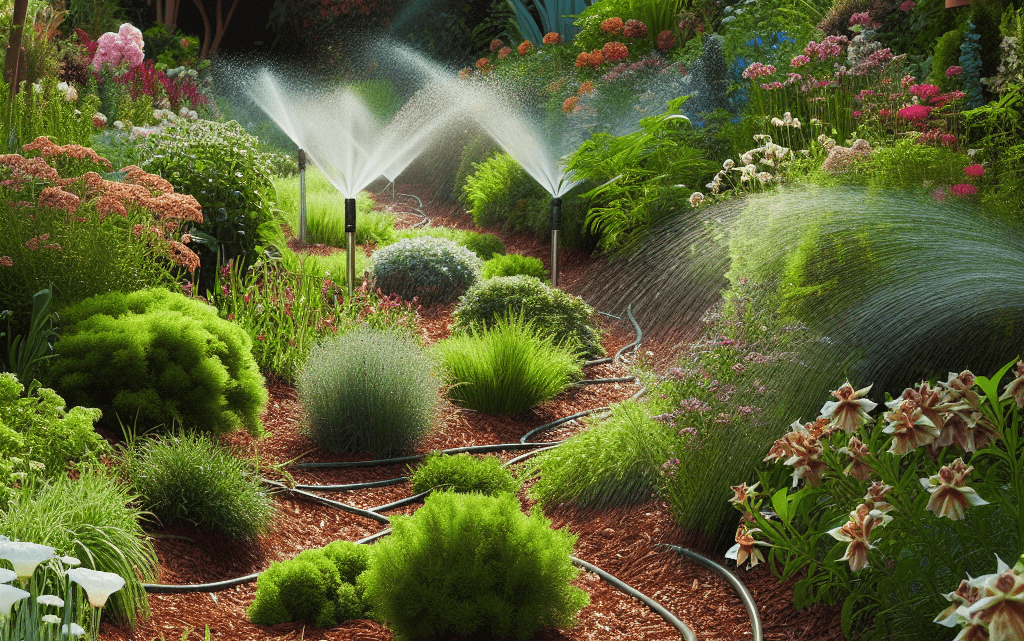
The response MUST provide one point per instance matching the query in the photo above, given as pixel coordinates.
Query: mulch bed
(623, 541)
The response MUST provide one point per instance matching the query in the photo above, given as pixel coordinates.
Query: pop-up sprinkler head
(350, 233)
(556, 226)
(302, 196)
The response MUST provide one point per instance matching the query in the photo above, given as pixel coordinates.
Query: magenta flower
(914, 112)
(758, 70)
(963, 189)
(975, 171)
(954, 71)
(924, 92)
(907, 6)
(799, 61)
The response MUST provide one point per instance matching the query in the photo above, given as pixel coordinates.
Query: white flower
(728, 164)
(49, 599)
(70, 561)
(787, 117)
(696, 198)
(76, 630)
(183, 112)
(6, 576)
(25, 556)
(63, 86)
(51, 618)
(118, 124)
(777, 123)
(9, 595)
(71, 94)
(97, 585)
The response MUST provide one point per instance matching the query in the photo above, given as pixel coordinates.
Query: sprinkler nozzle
(302, 159)
(350, 215)
(556, 214)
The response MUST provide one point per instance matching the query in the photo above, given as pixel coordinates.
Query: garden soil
(624, 541)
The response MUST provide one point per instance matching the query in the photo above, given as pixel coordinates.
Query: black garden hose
(328, 502)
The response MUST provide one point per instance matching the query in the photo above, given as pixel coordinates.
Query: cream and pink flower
(909, 427)
(851, 409)
(950, 497)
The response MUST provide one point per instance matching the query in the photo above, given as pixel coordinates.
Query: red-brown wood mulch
(623, 541)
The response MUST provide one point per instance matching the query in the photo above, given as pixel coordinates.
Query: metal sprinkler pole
(556, 226)
(350, 233)
(302, 196)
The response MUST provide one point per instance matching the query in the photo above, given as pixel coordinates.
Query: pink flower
(799, 61)
(948, 140)
(914, 112)
(975, 171)
(758, 70)
(924, 92)
(907, 6)
(963, 189)
(772, 85)
(863, 20)
(504, 51)
(954, 71)
(496, 45)
(939, 194)
(114, 48)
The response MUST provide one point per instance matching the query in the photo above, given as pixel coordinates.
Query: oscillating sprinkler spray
(302, 196)
(350, 234)
(556, 226)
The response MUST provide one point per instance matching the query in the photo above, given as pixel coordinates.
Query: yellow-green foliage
(317, 586)
(152, 357)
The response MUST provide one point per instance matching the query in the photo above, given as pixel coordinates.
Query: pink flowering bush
(115, 49)
(858, 501)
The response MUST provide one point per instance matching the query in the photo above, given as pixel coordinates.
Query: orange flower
(569, 106)
(585, 88)
(613, 26)
(484, 65)
(614, 51)
(57, 198)
(802, 450)
(49, 149)
(524, 47)
(504, 51)
(552, 38)
(857, 532)
(745, 547)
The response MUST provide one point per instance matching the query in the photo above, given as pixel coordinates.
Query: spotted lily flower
(857, 534)
(859, 468)
(851, 409)
(746, 547)
(802, 450)
(909, 427)
(950, 497)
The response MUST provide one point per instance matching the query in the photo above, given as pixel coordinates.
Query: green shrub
(907, 164)
(37, 428)
(368, 390)
(500, 193)
(507, 368)
(469, 564)
(483, 245)
(514, 265)
(564, 317)
(615, 462)
(436, 271)
(190, 478)
(152, 356)
(317, 586)
(946, 55)
(463, 473)
(93, 519)
(224, 168)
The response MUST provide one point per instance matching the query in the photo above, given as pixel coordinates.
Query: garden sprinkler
(556, 226)
(350, 233)
(302, 196)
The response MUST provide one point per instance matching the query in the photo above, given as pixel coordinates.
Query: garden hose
(655, 607)
(351, 486)
(415, 498)
(558, 422)
(745, 596)
(328, 502)
(471, 449)
(419, 211)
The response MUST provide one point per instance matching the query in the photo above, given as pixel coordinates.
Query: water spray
(350, 234)
(302, 196)
(556, 226)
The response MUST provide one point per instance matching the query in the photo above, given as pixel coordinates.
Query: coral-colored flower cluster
(552, 38)
(524, 47)
(635, 29)
(799, 61)
(593, 59)
(613, 26)
(864, 20)
(830, 47)
(503, 52)
(758, 70)
(569, 106)
(496, 44)
(614, 51)
(666, 40)
(114, 48)
(484, 65)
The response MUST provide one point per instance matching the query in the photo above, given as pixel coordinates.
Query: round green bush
(562, 316)
(436, 271)
(463, 473)
(317, 586)
(473, 565)
(190, 478)
(514, 265)
(154, 357)
(368, 390)
(483, 245)
(507, 368)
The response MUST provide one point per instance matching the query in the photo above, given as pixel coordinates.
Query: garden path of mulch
(623, 541)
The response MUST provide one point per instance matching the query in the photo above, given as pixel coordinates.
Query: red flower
(963, 189)
(613, 26)
(914, 112)
(635, 29)
(666, 40)
(504, 51)
(975, 171)
(614, 51)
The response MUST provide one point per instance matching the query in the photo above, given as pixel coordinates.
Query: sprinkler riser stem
(302, 196)
(350, 233)
(556, 227)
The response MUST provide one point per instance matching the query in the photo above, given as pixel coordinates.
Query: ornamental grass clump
(192, 479)
(507, 368)
(432, 271)
(369, 391)
(556, 314)
(463, 473)
(151, 357)
(514, 265)
(474, 566)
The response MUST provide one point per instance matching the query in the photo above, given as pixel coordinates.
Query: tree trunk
(211, 39)
(13, 56)
(167, 13)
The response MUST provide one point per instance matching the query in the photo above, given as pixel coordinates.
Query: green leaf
(990, 386)
(780, 501)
